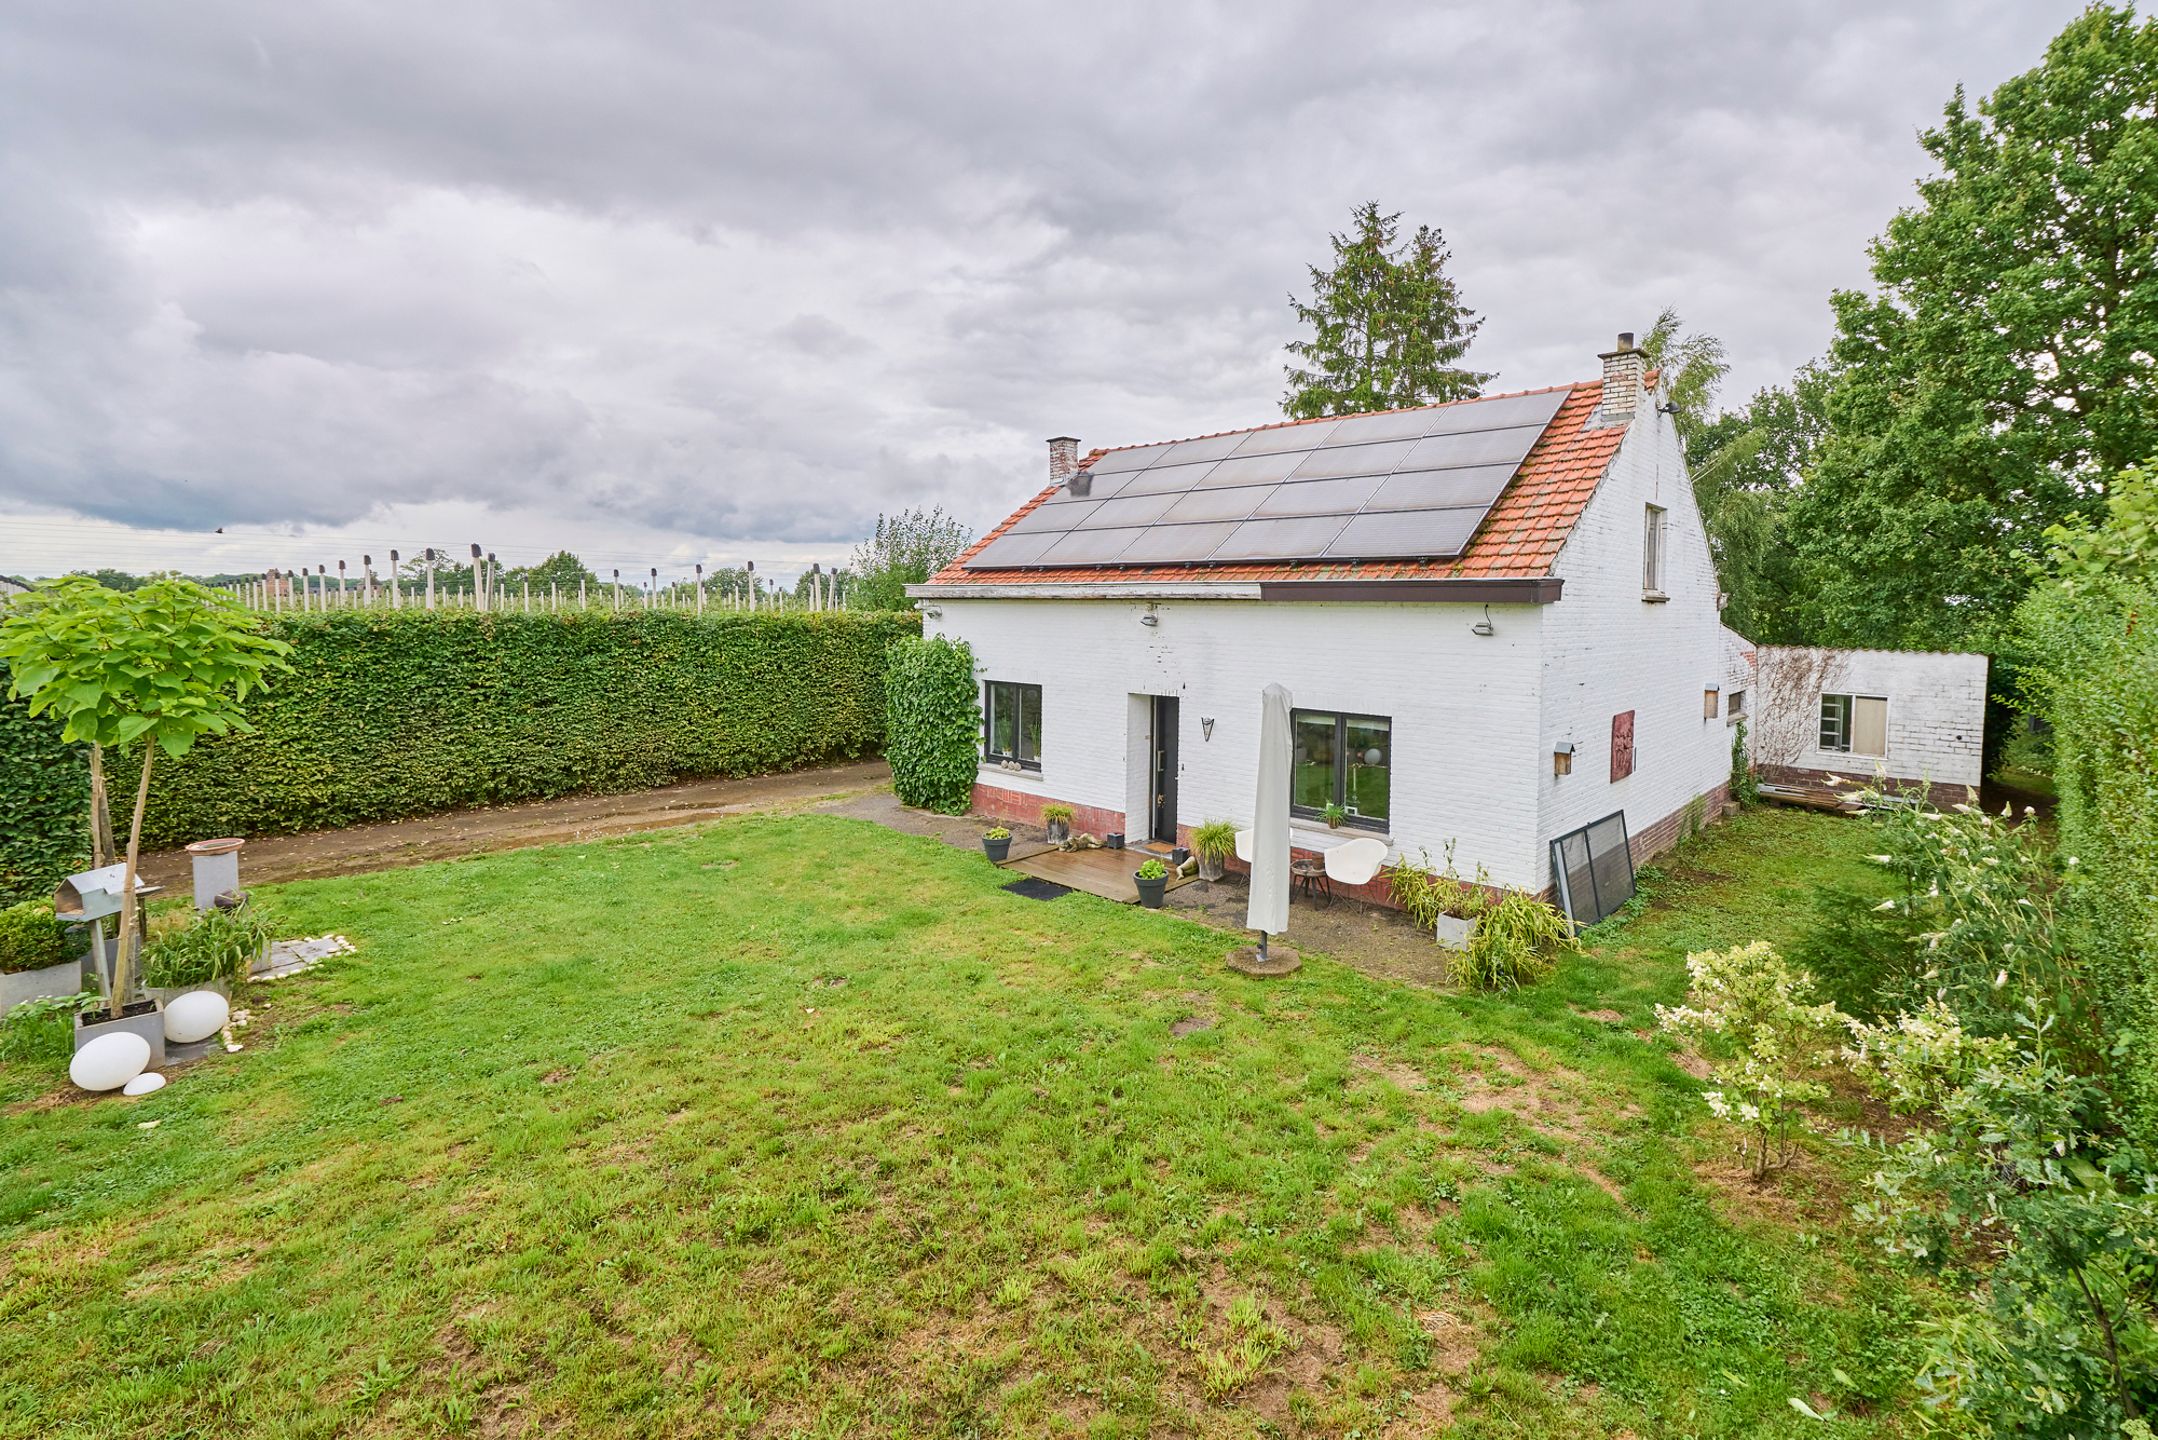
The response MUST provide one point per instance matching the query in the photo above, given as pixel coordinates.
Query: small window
(1344, 760)
(1652, 547)
(1012, 724)
(1734, 705)
(1854, 724)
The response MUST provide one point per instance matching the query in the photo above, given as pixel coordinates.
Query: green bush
(2090, 667)
(1152, 870)
(934, 723)
(44, 803)
(30, 938)
(199, 948)
(1215, 840)
(1516, 941)
(388, 714)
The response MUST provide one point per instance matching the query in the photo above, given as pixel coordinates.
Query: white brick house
(1558, 661)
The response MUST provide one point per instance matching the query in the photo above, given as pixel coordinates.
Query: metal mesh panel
(1593, 869)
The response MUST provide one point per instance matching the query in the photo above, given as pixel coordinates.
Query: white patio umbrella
(1268, 912)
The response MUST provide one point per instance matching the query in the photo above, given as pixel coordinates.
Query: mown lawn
(798, 1126)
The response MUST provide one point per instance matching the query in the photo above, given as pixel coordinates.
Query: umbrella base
(1279, 960)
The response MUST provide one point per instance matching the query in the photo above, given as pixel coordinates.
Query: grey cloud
(757, 272)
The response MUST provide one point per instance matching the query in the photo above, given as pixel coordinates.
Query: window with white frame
(1854, 724)
(1654, 531)
(1012, 724)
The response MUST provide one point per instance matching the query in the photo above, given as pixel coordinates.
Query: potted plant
(36, 962)
(1057, 820)
(997, 843)
(154, 669)
(1214, 842)
(212, 949)
(1442, 902)
(1152, 878)
(1336, 816)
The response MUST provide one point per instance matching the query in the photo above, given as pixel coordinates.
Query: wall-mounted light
(1484, 626)
(933, 612)
(1206, 727)
(1150, 618)
(1562, 758)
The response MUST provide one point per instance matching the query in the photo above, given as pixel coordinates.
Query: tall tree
(907, 549)
(1388, 328)
(561, 569)
(2002, 366)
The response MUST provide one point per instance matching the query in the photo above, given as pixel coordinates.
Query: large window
(1854, 724)
(1012, 724)
(1344, 760)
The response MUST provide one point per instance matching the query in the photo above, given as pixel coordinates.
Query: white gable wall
(1463, 706)
(1606, 649)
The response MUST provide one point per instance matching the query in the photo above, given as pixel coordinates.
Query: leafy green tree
(2001, 365)
(114, 579)
(1388, 328)
(159, 666)
(561, 569)
(907, 549)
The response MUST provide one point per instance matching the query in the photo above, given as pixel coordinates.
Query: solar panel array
(1405, 484)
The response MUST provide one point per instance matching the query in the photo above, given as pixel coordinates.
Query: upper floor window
(1653, 537)
(1854, 724)
(1012, 724)
(1344, 760)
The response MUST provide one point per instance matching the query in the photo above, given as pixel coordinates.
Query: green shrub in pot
(204, 948)
(1214, 842)
(30, 938)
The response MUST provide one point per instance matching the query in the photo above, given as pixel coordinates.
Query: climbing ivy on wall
(44, 803)
(935, 723)
(393, 714)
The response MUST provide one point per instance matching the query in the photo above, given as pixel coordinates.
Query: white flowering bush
(1768, 1037)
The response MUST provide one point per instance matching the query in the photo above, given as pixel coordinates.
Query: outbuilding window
(1012, 724)
(1854, 724)
(1344, 760)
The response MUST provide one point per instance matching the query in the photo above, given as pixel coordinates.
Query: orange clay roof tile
(1520, 537)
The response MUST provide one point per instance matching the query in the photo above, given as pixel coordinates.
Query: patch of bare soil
(1378, 941)
(1555, 1104)
(1402, 1077)
(357, 849)
(1606, 1016)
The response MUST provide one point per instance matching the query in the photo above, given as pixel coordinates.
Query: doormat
(1037, 889)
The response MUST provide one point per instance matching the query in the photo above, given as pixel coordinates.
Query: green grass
(799, 1126)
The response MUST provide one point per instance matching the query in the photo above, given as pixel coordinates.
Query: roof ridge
(1100, 451)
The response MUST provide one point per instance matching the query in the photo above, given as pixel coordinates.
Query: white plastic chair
(1355, 862)
(1243, 846)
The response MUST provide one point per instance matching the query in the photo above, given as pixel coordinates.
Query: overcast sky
(676, 282)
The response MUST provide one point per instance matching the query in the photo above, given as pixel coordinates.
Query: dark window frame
(1339, 790)
(1021, 693)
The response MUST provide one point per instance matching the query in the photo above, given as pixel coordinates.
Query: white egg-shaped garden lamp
(197, 1015)
(109, 1061)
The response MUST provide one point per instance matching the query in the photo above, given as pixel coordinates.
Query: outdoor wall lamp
(934, 612)
(1206, 727)
(1484, 626)
(1150, 618)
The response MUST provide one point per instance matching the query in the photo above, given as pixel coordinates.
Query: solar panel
(1403, 483)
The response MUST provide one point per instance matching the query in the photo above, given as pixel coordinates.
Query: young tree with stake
(159, 666)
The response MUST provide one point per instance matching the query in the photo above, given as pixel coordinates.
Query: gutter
(1538, 590)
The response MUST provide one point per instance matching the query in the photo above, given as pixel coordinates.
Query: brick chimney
(1624, 370)
(1063, 458)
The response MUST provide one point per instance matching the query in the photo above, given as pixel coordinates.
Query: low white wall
(1464, 707)
(1936, 710)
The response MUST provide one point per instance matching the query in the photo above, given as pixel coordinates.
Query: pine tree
(1388, 328)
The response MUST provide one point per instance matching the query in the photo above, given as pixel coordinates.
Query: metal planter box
(64, 978)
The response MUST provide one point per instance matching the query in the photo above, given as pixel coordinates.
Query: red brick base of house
(1019, 807)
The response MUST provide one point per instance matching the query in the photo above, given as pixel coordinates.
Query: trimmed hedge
(392, 714)
(44, 803)
(935, 725)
